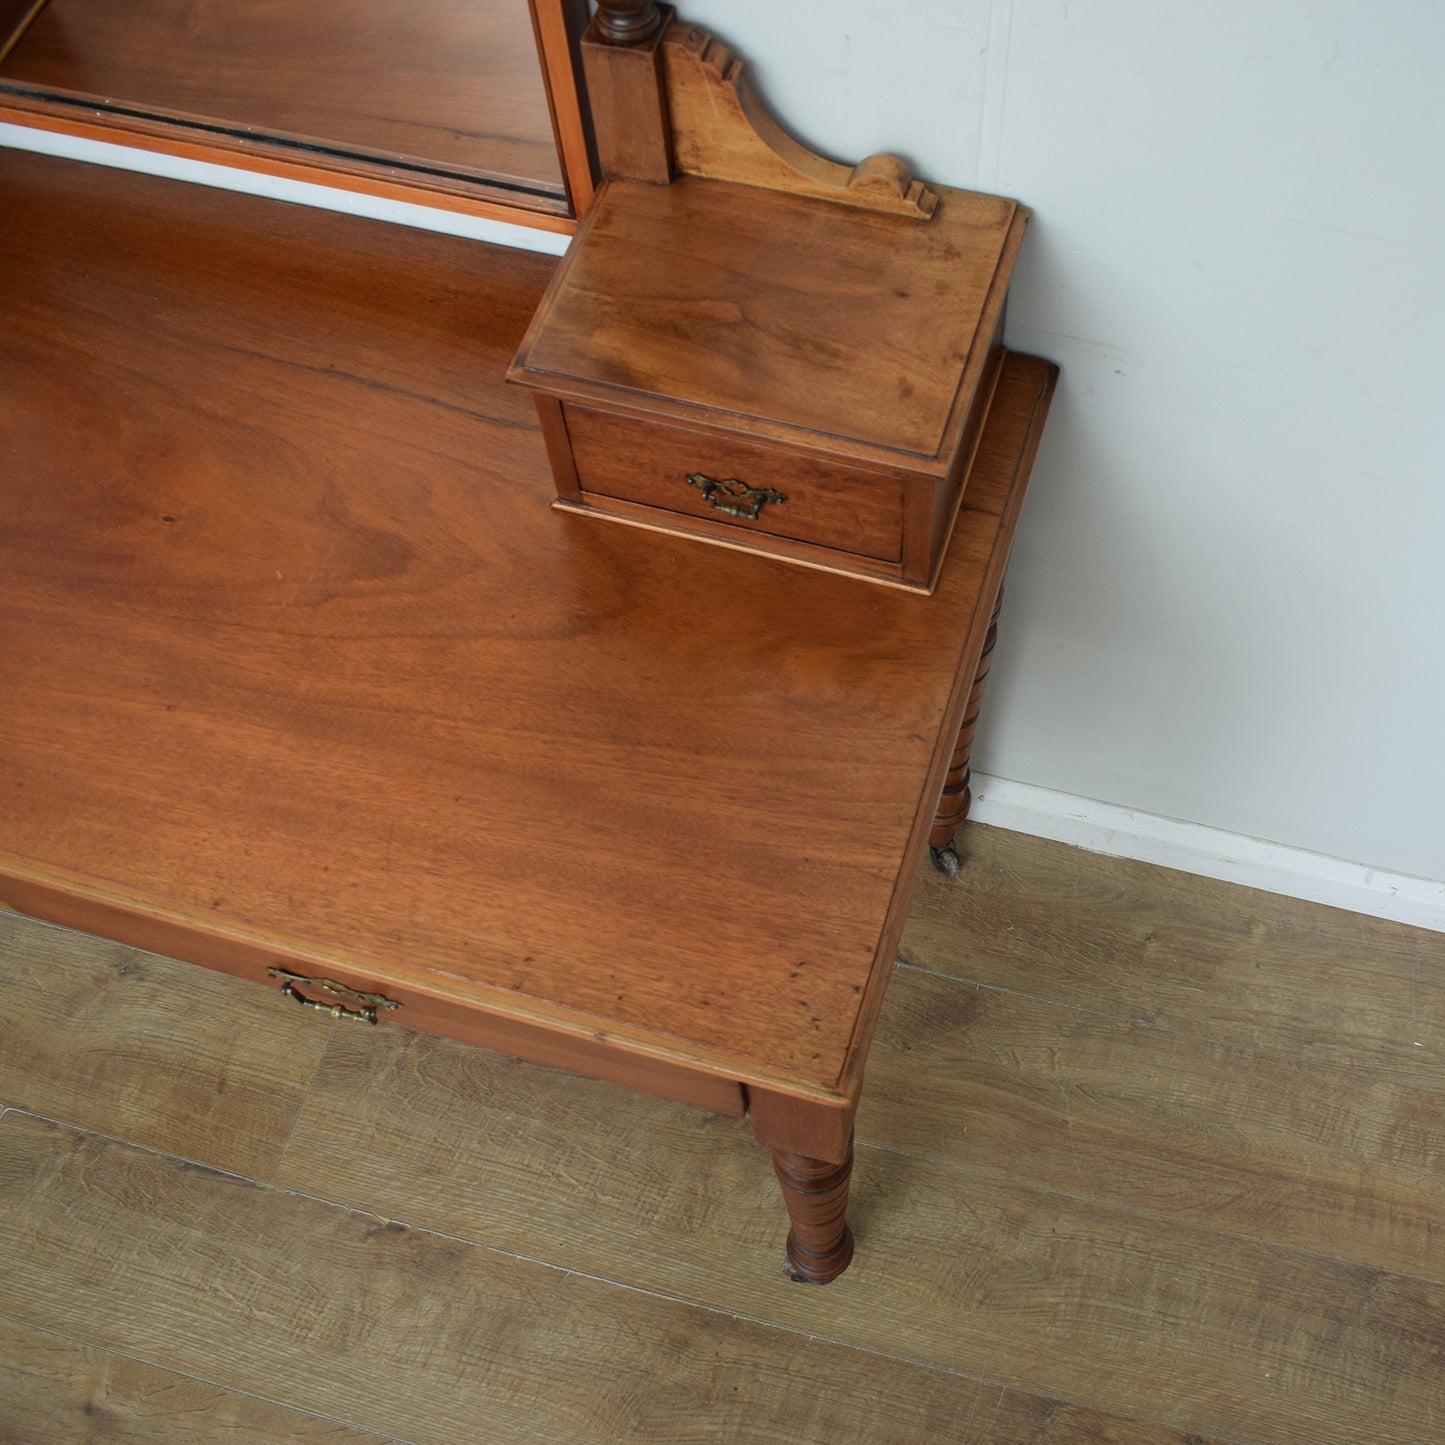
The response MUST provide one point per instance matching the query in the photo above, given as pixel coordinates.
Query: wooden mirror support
(625, 22)
(720, 128)
(667, 97)
(755, 345)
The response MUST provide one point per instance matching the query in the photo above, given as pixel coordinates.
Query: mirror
(467, 99)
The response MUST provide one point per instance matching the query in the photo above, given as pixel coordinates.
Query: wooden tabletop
(294, 647)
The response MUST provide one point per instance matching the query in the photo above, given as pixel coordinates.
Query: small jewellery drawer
(795, 375)
(736, 485)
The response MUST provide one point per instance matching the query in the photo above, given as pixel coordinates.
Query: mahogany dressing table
(306, 680)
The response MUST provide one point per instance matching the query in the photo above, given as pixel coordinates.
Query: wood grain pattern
(1189, 954)
(832, 367)
(720, 128)
(15, 17)
(1133, 1314)
(820, 1244)
(848, 509)
(297, 686)
(1273, 1149)
(55, 1391)
(559, 25)
(152, 1050)
(717, 295)
(627, 95)
(473, 1137)
(454, 83)
(1071, 1425)
(430, 1339)
(467, 1129)
(409, 997)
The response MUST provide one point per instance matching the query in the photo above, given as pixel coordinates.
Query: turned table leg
(954, 804)
(820, 1244)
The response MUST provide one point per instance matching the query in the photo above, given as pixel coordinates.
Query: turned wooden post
(820, 1244)
(812, 1147)
(953, 806)
(624, 22)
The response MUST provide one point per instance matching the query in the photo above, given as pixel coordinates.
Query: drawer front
(742, 485)
(368, 999)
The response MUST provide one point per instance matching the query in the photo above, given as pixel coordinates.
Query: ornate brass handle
(337, 996)
(746, 502)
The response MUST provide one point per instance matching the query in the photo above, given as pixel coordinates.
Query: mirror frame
(557, 26)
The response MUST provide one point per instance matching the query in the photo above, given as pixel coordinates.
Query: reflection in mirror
(451, 87)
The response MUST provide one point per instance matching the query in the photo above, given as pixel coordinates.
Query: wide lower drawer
(358, 996)
(739, 485)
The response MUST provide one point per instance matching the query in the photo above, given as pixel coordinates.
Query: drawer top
(844, 330)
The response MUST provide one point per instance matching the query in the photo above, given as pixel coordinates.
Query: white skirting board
(1210, 852)
(278, 188)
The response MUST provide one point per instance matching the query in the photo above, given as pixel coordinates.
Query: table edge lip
(188, 921)
(1045, 376)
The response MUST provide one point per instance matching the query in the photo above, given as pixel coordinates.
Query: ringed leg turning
(812, 1149)
(953, 805)
(820, 1244)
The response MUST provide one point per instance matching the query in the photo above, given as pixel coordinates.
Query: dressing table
(307, 678)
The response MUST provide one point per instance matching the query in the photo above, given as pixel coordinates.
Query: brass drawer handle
(337, 997)
(746, 502)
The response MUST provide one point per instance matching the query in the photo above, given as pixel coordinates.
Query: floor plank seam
(691, 1302)
(11, 915)
(873, 1144)
(202, 1380)
(1351, 1071)
(903, 961)
(1153, 1215)
(145, 1148)
(280, 1163)
(1004, 1388)
(566, 1271)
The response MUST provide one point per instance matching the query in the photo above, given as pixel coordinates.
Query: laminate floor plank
(1210, 959)
(1070, 1425)
(423, 1337)
(1089, 1320)
(55, 1391)
(1133, 1315)
(151, 1050)
(1299, 1154)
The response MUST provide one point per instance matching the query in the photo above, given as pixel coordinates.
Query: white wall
(1228, 593)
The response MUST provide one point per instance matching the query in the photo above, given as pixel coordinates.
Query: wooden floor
(1143, 1158)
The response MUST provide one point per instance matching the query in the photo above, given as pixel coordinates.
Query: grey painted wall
(1228, 594)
